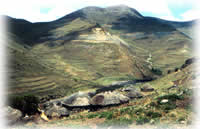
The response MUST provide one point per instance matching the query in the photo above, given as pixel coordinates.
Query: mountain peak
(109, 14)
(119, 6)
(123, 10)
(106, 15)
(91, 8)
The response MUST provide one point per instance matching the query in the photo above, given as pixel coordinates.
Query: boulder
(129, 89)
(164, 101)
(109, 98)
(132, 92)
(62, 107)
(77, 99)
(147, 88)
(81, 101)
(34, 119)
(13, 115)
(55, 110)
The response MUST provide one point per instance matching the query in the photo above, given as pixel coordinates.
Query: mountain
(92, 48)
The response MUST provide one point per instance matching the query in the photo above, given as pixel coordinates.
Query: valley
(112, 59)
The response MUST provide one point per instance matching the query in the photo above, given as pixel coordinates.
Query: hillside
(95, 44)
(101, 66)
(168, 105)
(95, 52)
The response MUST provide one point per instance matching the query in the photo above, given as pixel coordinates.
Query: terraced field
(33, 85)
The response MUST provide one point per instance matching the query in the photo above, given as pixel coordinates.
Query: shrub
(117, 123)
(153, 104)
(140, 110)
(142, 120)
(126, 110)
(156, 71)
(168, 106)
(90, 116)
(170, 97)
(124, 121)
(153, 114)
(28, 104)
(176, 69)
(190, 61)
(183, 66)
(188, 92)
(107, 115)
(171, 102)
(181, 119)
(169, 71)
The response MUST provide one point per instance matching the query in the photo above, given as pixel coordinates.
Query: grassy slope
(46, 61)
(145, 110)
(66, 66)
(29, 75)
(51, 53)
(168, 46)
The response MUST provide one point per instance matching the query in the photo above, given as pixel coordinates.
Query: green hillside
(91, 48)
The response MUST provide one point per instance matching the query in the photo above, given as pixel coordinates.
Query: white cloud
(191, 14)
(170, 18)
(180, 3)
(30, 9)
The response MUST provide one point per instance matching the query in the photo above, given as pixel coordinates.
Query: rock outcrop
(109, 98)
(147, 88)
(132, 93)
(55, 109)
(77, 99)
(13, 115)
(88, 100)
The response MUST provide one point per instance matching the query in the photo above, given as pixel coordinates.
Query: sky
(49, 10)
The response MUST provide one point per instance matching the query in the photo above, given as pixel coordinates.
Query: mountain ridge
(107, 65)
(92, 48)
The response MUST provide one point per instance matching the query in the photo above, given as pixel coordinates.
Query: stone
(147, 88)
(133, 95)
(183, 122)
(77, 99)
(53, 110)
(129, 89)
(33, 119)
(131, 92)
(152, 121)
(81, 101)
(13, 115)
(43, 116)
(109, 98)
(164, 101)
